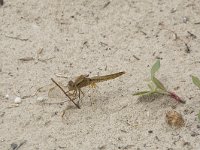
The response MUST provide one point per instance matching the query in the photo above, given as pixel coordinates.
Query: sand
(41, 39)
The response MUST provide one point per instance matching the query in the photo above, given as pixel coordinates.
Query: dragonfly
(73, 89)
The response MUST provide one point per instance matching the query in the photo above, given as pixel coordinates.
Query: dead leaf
(175, 119)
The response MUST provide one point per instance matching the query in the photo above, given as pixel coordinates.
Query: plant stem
(172, 95)
(176, 97)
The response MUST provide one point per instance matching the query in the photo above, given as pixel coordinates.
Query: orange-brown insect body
(84, 80)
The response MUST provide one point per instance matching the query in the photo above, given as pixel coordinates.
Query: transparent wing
(46, 87)
(53, 90)
(80, 78)
(56, 92)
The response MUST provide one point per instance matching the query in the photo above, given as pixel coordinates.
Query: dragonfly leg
(79, 94)
(75, 93)
(82, 92)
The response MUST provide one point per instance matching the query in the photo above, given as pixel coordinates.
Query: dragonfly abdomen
(106, 77)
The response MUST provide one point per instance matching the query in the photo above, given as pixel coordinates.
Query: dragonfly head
(71, 85)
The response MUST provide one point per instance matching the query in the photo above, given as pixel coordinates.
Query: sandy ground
(98, 37)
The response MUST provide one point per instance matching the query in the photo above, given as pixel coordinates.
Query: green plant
(196, 81)
(156, 87)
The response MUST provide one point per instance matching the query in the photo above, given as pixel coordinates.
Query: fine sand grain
(42, 38)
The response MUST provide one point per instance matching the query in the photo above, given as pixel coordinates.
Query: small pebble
(173, 10)
(2, 140)
(185, 19)
(40, 98)
(148, 114)
(150, 131)
(7, 96)
(18, 100)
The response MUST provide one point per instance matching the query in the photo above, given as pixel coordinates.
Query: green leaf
(196, 81)
(155, 68)
(141, 93)
(151, 86)
(158, 84)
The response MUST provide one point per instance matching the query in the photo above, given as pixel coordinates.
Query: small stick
(197, 23)
(187, 50)
(22, 143)
(45, 60)
(26, 59)
(65, 93)
(192, 35)
(106, 4)
(136, 57)
(17, 38)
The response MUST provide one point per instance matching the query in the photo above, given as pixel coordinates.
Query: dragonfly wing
(80, 78)
(46, 87)
(56, 92)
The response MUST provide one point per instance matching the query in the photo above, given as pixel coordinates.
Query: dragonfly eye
(71, 85)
